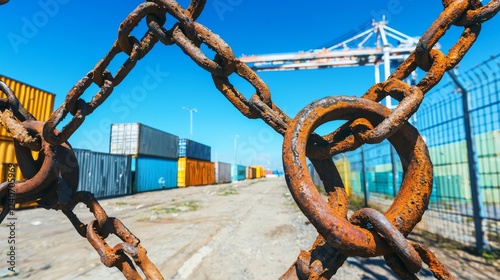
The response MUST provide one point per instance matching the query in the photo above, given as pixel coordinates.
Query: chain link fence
(464, 145)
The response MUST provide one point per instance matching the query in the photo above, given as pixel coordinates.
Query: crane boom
(353, 51)
(389, 47)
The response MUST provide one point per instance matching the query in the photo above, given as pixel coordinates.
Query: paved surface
(245, 230)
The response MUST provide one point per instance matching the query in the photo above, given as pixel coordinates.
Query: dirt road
(245, 230)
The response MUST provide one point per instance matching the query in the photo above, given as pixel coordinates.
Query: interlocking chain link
(100, 228)
(53, 177)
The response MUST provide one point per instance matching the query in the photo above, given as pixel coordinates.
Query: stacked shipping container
(154, 152)
(194, 150)
(195, 168)
(39, 103)
(140, 140)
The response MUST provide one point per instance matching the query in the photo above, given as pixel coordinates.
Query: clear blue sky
(53, 46)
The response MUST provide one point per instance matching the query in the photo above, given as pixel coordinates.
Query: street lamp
(191, 110)
(235, 136)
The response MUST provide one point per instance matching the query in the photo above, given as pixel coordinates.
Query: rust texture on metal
(99, 229)
(52, 178)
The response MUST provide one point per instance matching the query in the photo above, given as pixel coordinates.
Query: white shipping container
(222, 172)
(138, 139)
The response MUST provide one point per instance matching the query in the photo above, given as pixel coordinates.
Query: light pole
(235, 136)
(191, 110)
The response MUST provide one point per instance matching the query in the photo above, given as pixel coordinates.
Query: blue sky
(52, 44)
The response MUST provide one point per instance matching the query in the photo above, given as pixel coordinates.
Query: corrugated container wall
(259, 171)
(104, 175)
(238, 172)
(38, 102)
(193, 172)
(137, 139)
(222, 172)
(153, 174)
(7, 157)
(191, 149)
(250, 172)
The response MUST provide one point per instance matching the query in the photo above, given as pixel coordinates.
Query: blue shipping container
(238, 172)
(154, 174)
(104, 175)
(191, 149)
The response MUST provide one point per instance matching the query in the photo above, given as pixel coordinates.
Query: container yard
(389, 169)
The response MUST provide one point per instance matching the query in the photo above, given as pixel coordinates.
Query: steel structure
(376, 44)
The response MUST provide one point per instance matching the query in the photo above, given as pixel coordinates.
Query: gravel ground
(245, 230)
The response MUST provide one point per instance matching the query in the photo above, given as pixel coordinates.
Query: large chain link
(51, 178)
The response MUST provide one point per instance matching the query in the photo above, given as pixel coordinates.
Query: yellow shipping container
(193, 172)
(38, 102)
(259, 171)
(7, 157)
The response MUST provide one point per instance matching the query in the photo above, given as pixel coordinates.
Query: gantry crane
(377, 45)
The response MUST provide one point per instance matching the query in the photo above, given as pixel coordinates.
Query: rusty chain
(53, 177)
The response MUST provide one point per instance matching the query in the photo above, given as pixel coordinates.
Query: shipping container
(193, 172)
(150, 173)
(191, 149)
(8, 158)
(137, 139)
(104, 175)
(250, 172)
(259, 171)
(222, 172)
(39, 103)
(238, 172)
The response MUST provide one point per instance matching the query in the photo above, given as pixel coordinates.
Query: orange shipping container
(193, 172)
(251, 172)
(38, 102)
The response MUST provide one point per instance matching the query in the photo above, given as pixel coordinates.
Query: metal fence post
(365, 182)
(477, 201)
(394, 172)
